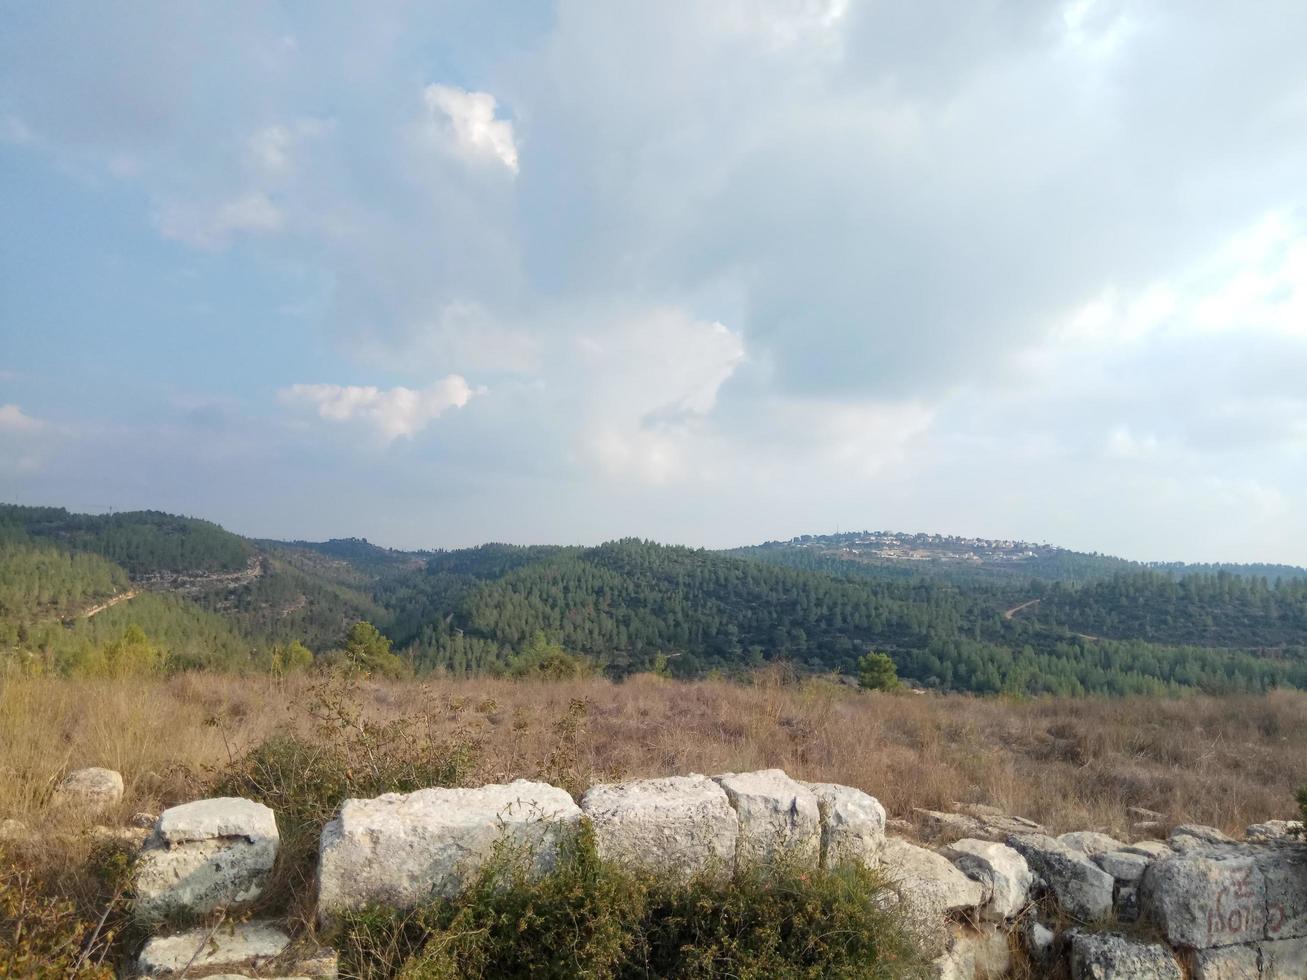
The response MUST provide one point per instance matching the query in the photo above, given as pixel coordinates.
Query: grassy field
(1071, 764)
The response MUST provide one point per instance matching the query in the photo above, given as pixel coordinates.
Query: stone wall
(992, 895)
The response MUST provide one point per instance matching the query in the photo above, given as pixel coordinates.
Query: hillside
(891, 554)
(954, 614)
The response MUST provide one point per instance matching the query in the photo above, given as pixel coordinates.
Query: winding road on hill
(109, 603)
(1009, 613)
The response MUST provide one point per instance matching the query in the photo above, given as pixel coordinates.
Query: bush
(305, 779)
(876, 672)
(546, 660)
(591, 919)
(64, 912)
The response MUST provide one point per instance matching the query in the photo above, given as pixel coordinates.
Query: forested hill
(969, 561)
(1205, 610)
(141, 542)
(94, 593)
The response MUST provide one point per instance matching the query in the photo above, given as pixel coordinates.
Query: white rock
(1001, 871)
(1083, 890)
(681, 824)
(852, 825)
(1124, 866)
(1202, 901)
(1227, 963)
(1284, 959)
(206, 855)
(1039, 940)
(402, 849)
(94, 789)
(1151, 849)
(1200, 832)
(250, 945)
(1284, 871)
(922, 876)
(1275, 830)
(222, 816)
(778, 815)
(1090, 842)
(1110, 957)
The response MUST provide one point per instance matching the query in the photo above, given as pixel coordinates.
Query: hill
(893, 554)
(953, 613)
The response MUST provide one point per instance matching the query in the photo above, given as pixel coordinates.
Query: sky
(709, 273)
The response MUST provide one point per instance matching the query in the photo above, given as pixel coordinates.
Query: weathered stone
(1284, 870)
(206, 855)
(978, 809)
(922, 876)
(993, 955)
(250, 945)
(401, 849)
(958, 962)
(954, 826)
(93, 790)
(1001, 871)
(1197, 831)
(1274, 830)
(1110, 957)
(1082, 889)
(973, 954)
(1151, 849)
(1203, 901)
(852, 825)
(1126, 903)
(213, 819)
(1227, 963)
(1284, 959)
(1090, 842)
(778, 815)
(1143, 813)
(682, 824)
(1039, 940)
(1124, 866)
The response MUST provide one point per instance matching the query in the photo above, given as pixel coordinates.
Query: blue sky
(709, 273)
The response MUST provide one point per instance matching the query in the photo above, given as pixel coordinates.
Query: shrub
(64, 913)
(876, 672)
(304, 779)
(591, 919)
(547, 660)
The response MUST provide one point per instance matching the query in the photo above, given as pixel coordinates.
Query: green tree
(547, 659)
(367, 651)
(876, 672)
(291, 658)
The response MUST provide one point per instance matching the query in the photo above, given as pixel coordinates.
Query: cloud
(213, 226)
(469, 119)
(1012, 267)
(12, 419)
(389, 412)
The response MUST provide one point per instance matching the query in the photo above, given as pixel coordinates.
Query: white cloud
(469, 119)
(13, 419)
(389, 412)
(213, 226)
(271, 153)
(648, 383)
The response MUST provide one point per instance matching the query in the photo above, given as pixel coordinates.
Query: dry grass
(1071, 764)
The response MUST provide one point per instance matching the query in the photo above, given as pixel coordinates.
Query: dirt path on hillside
(109, 603)
(1009, 613)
